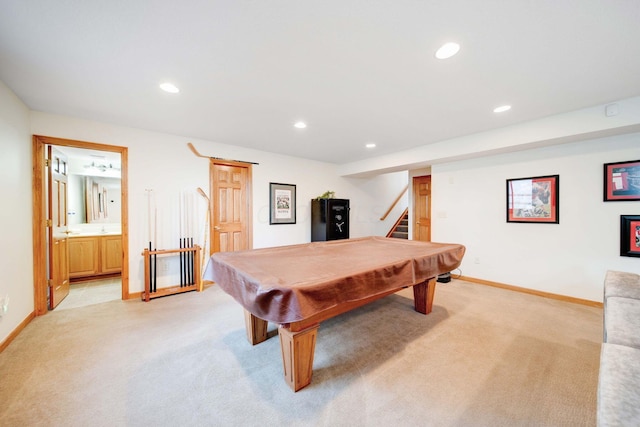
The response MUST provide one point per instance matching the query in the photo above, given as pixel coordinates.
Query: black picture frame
(630, 235)
(534, 199)
(621, 181)
(282, 203)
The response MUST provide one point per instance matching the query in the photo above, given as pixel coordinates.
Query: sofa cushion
(622, 321)
(621, 284)
(618, 394)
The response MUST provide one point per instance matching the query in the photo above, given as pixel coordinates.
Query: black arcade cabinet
(329, 219)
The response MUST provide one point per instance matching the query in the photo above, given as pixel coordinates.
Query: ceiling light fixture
(370, 145)
(169, 87)
(300, 125)
(102, 167)
(502, 109)
(447, 50)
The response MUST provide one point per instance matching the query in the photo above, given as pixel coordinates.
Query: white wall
(569, 258)
(163, 163)
(16, 262)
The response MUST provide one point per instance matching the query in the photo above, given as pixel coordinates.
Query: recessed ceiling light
(502, 109)
(447, 50)
(169, 87)
(370, 145)
(300, 125)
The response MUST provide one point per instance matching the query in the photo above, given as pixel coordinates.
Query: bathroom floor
(92, 292)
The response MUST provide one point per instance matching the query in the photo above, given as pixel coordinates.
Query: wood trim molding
(40, 216)
(5, 343)
(533, 292)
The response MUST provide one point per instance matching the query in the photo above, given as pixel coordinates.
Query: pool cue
(187, 254)
(152, 266)
(155, 246)
(206, 228)
(181, 264)
(181, 215)
(190, 261)
(150, 270)
(190, 239)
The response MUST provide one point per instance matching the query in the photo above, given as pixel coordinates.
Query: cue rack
(190, 277)
(189, 253)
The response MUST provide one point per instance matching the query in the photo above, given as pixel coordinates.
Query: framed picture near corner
(630, 235)
(622, 181)
(535, 200)
(282, 203)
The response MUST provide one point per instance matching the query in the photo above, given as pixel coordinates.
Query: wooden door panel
(231, 213)
(422, 208)
(58, 214)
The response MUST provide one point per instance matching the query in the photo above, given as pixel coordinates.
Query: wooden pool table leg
(256, 328)
(298, 349)
(423, 294)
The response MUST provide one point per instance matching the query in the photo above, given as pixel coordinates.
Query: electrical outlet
(476, 260)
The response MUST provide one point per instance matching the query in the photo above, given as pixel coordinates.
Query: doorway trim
(40, 214)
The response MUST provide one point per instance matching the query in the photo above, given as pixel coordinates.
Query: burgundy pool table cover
(287, 284)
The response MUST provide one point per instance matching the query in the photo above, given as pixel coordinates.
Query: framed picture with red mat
(534, 200)
(622, 181)
(630, 235)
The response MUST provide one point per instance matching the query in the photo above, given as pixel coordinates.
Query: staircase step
(400, 235)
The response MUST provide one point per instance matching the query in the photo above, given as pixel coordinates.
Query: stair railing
(395, 202)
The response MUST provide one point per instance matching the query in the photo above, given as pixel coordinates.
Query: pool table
(299, 286)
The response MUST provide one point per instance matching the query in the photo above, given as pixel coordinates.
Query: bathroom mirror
(94, 185)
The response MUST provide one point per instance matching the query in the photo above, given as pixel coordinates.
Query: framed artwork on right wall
(630, 235)
(622, 181)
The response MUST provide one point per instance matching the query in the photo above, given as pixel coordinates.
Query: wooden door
(58, 238)
(422, 208)
(231, 206)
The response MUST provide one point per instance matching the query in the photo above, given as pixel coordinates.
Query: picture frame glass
(630, 235)
(282, 203)
(534, 199)
(622, 181)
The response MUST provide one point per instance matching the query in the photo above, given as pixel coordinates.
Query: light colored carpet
(483, 357)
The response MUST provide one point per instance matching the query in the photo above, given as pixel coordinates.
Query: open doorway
(95, 219)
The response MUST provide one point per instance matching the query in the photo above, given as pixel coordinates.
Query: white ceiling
(357, 71)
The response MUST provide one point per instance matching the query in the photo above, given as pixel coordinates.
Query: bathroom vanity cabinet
(97, 255)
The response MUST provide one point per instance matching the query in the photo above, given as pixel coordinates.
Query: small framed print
(622, 181)
(282, 203)
(630, 235)
(534, 199)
